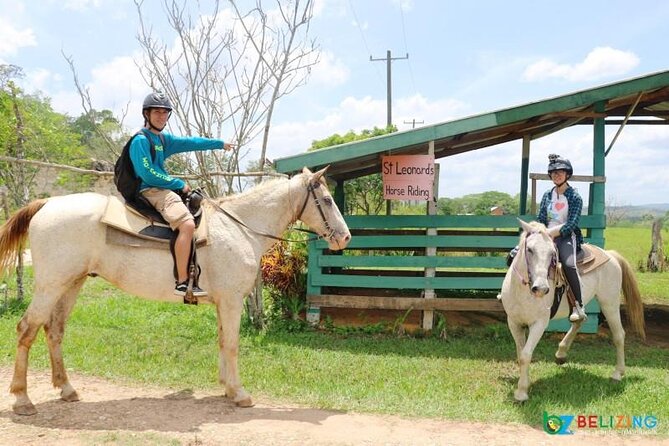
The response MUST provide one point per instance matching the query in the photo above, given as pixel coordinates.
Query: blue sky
(465, 58)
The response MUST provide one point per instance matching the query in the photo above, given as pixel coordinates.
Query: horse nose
(541, 290)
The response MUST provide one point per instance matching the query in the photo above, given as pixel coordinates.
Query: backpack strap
(152, 146)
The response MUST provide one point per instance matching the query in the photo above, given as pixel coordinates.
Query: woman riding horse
(562, 205)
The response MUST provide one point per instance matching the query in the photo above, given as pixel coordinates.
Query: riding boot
(578, 313)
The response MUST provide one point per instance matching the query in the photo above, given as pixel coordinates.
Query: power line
(406, 48)
(389, 88)
(362, 34)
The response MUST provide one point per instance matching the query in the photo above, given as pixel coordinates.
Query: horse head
(320, 212)
(540, 256)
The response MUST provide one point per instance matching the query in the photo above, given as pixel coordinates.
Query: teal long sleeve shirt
(153, 174)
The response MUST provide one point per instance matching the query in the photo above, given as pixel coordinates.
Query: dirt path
(117, 414)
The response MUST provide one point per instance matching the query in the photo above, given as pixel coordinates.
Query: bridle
(529, 281)
(311, 187)
(311, 191)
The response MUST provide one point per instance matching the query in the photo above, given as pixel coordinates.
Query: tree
(217, 80)
(30, 129)
(364, 195)
(478, 204)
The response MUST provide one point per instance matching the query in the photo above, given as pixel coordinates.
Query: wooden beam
(404, 303)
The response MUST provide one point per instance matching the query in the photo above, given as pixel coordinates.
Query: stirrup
(577, 314)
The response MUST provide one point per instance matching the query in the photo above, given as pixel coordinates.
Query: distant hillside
(636, 212)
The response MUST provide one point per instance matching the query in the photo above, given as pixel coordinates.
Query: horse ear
(306, 171)
(526, 226)
(320, 173)
(555, 230)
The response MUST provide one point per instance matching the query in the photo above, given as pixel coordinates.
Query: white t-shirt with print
(558, 209)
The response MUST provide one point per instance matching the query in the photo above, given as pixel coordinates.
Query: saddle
(126, 226)
(587, 260)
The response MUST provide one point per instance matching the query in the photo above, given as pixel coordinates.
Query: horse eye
(327, 200)
(530, 251)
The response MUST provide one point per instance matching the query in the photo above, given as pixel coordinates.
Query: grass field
(634, 244)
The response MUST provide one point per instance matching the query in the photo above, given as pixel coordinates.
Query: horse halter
(551, 267)
(311, 191)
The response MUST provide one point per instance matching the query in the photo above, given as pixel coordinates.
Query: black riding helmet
(555, 162)
(155, 100)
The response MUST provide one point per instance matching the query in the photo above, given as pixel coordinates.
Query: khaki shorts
(169, 204)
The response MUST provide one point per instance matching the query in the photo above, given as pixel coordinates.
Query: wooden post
(597, 197)
(428, 315)
(655, 262)
(525, 168)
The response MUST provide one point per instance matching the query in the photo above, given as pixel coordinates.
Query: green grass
(634, 244)
(468, 376)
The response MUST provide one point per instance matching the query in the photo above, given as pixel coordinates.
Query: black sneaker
(182, 288)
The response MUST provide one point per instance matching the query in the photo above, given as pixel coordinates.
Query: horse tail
(632, 295)
(14, 232)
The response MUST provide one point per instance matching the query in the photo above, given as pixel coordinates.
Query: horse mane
(258, 190)
(536, 227)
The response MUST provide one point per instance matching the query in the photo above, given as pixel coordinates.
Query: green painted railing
(388, 253)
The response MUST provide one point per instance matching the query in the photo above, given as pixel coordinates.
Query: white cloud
(420, 108)
(116, 85)
(600, 63)
(11, 38)
(329, 70)
(80, 5)
(405, 5)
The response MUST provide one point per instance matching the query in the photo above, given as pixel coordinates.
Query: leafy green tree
(31, 130)
(364, 195)
(96, 130)
(478, 204)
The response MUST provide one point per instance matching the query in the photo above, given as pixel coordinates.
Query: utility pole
(413, 123)
(389, 96)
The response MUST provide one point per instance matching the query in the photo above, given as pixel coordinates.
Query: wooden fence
(387, 265)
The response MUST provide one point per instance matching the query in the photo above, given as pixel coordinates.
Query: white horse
(528, 291)
(67, 241)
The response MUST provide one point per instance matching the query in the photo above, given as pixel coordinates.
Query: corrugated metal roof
(646, 97)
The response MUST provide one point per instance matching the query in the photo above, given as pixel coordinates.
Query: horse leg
(565, 343)
(536, 330)
(518, 333)
(54, 330)
(229, 320)
(26, 331)
(612, 313)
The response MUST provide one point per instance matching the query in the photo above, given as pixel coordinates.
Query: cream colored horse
(528, 291)
(68, 245)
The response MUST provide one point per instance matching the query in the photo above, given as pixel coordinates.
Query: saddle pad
(118, 216)
(593, 258)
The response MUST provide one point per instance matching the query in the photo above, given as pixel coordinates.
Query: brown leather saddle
(126, 226)
(587, 260)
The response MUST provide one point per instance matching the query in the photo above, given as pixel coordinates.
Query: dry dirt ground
(113, 414)
(117, 414)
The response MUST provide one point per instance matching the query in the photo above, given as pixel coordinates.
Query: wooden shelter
(398, 262)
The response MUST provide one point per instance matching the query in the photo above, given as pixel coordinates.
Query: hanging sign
(408, 177)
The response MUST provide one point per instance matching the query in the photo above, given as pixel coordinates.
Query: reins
(311, 191)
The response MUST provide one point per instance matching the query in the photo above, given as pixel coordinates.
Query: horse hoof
(560, 361)
(25, 409)
(70, 397)
(246, 402)
(520, 397)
